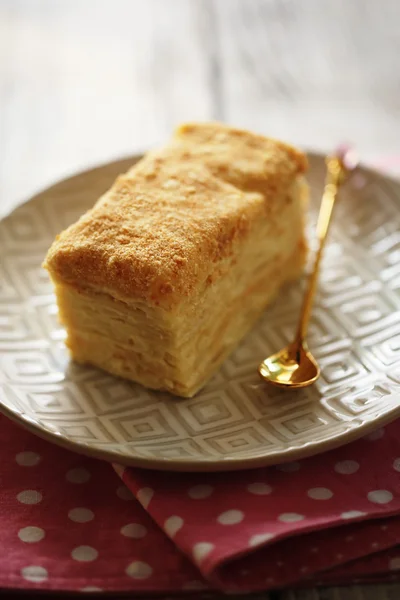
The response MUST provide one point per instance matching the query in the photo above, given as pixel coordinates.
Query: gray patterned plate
(236, 421)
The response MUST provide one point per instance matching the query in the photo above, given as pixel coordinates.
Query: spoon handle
(336, 171)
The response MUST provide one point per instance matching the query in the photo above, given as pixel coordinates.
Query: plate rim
(233, 463)
(202, 466)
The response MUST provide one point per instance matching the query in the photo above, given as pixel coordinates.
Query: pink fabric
(67, 523)
(279, 526)
(45, 487)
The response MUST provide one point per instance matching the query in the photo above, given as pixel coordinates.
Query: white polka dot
(290, 517)
(280, 563)
(194, 585)
(347, 467)
(124, 493)
(29, 497)
(81, 515)
(78, 475)
(384, 527)
(396, 465)
(144, 496)
(380, 496)
(27, 459)
(139, 570)
(394, 564)
(319, 493)
(31, 534)
(34, 573)
(260, 538)
(134, 530)
(352, 514)
(339, 556)
(198, 492)
(172, 525)
(349, 538)
(303, 569)
(290, 467)
(260, 489)
(375, 435)
(230, 517)
(91, 588)
(84, 553)
(201, 550)
(375, 545)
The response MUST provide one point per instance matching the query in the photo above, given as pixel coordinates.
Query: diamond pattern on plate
(236, 420)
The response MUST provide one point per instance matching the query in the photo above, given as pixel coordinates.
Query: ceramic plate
(237, 421)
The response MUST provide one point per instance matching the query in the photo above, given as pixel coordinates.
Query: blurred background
(87, 81)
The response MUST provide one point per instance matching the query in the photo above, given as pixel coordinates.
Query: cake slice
(162, 278)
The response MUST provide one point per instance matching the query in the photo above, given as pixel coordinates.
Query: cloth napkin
(69, 523)
(271, 527)
(72, 523)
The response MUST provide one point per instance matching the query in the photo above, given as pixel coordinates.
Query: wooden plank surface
(86, 82)
(83, 82)
(313, 72)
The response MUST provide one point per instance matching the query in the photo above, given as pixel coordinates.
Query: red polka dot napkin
(68, 523)
(279, 526)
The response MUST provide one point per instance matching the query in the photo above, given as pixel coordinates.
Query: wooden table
(86, 81)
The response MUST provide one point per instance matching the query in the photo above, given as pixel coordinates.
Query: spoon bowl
(294, 366)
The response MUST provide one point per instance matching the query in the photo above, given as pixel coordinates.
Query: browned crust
(164, 227)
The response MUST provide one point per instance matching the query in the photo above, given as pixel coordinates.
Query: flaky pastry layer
(162, 278)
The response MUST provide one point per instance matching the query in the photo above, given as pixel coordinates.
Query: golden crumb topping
(163, 228)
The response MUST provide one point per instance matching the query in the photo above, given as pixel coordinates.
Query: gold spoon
(294, 366)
